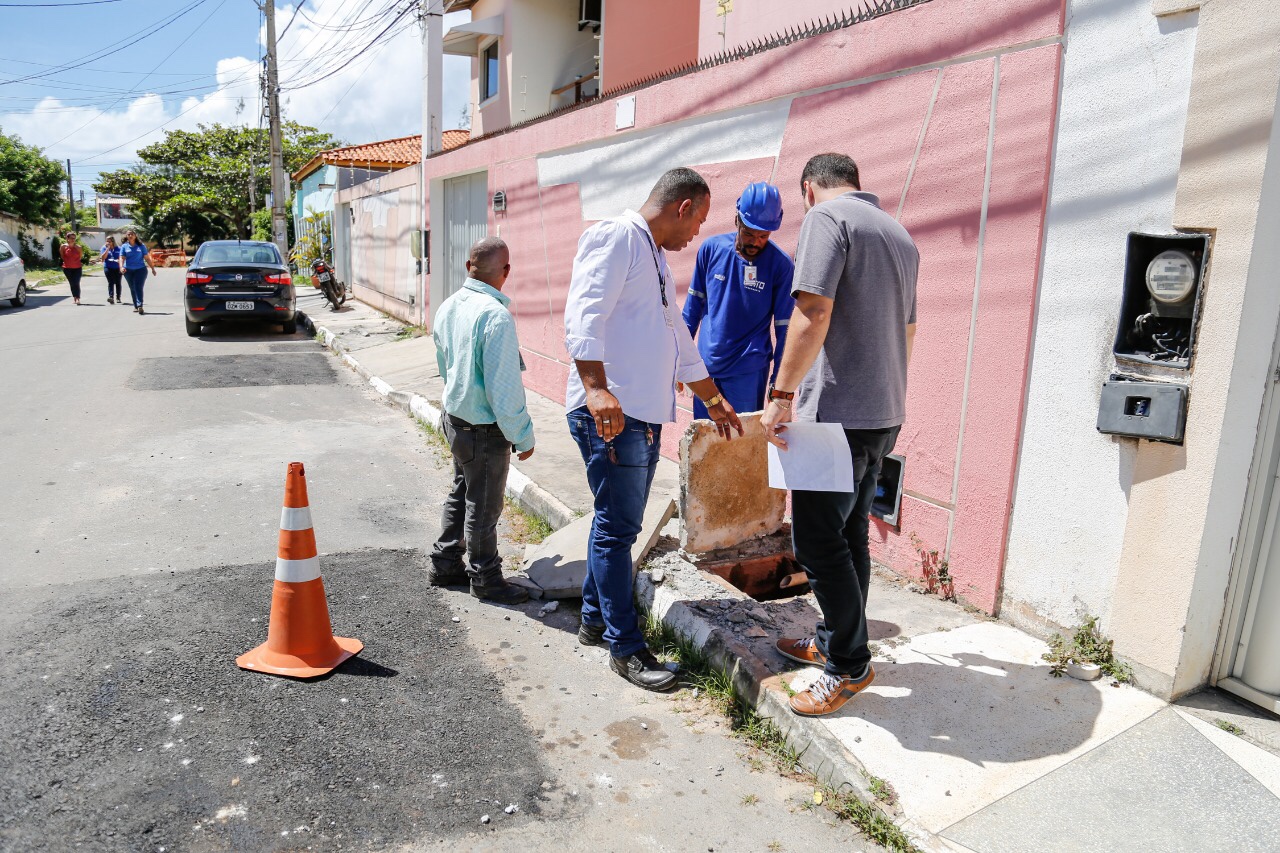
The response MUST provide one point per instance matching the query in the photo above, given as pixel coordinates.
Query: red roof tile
(389, 153)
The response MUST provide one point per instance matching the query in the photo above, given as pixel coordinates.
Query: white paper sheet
(817, 459)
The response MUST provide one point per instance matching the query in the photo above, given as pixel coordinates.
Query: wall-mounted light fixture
(499, 202)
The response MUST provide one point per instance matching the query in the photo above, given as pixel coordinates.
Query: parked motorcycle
(323, 277)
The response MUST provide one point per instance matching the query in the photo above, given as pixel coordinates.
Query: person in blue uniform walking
(740, 302)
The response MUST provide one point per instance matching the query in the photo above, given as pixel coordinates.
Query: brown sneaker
(804, 650)
(829, 693)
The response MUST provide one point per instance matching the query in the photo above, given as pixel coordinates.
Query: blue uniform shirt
(737, 305)
(133, 256)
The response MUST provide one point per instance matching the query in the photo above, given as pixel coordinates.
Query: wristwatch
(714, 401)
(782, 398)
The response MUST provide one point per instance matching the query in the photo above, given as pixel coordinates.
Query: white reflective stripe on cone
(297, 571)
(295, 518)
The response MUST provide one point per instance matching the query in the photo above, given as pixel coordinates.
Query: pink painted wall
(752, 20)
(923, 139)
(643, 39)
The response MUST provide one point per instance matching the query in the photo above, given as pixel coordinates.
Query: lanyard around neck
(662, 280)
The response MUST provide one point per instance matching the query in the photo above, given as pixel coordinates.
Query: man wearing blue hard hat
(740, 302)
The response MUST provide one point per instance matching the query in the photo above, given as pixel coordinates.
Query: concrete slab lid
(957, 719)
(725, 497)
(559, 565)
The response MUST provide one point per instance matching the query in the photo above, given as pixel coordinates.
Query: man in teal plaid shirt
(484, 418)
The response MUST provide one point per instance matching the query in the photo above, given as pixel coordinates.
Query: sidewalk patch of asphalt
(230, 371)
(128, 726)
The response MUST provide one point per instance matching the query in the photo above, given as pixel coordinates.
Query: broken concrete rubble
(725, 497)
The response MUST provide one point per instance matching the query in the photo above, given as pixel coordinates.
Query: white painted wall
(547, 51)
(1126, 82)
(618, 174)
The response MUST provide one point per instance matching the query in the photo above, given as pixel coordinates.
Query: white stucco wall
(1123, 107)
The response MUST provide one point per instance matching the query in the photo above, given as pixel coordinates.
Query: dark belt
(459, 423)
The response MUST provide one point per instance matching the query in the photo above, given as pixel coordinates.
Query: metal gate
(1250, 665)
(466, 215)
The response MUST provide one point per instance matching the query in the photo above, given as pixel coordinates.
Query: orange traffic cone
(300, 641)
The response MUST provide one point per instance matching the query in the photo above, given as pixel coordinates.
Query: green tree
(196, 183)
(30, 183)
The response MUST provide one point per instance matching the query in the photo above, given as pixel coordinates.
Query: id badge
(749, 273)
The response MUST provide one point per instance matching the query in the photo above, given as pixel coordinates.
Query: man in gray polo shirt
(846, 363)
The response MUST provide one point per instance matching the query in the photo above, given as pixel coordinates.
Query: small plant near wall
(935, 571)
(1086, 648)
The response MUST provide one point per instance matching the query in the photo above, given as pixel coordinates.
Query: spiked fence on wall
(868, 10)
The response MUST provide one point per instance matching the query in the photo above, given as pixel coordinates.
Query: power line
(176, 48)
(56, 5)
(353, 57)
(109, 49)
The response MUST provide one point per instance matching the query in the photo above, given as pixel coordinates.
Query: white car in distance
(13, 276)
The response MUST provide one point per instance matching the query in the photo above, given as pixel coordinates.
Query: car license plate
(239, 306)
(324, 276)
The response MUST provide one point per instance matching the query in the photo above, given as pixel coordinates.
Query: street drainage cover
(231, 371)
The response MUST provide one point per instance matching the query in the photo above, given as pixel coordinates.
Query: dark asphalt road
(128, 726)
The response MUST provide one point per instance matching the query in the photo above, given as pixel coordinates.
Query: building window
(489, 72)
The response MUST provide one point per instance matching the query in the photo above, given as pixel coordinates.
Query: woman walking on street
(110, 258)
(72, 264)
(135, 259)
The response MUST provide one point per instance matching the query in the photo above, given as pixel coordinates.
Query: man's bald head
(489, 261)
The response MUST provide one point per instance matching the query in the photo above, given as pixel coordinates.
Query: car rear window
(238, 254)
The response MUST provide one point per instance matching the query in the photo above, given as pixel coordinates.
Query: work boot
(591, 635)
(804, 650)
(454, 575)
(643, 670)
(499, 592)
(829, 693)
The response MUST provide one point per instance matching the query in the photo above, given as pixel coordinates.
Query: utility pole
(279, 186)
(71, 200)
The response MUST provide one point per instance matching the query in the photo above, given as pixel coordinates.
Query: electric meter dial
(1171, 276)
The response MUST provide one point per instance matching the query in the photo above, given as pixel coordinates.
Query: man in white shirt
(630, 347)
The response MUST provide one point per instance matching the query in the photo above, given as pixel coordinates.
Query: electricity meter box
(1158, 314)
(1152, 410)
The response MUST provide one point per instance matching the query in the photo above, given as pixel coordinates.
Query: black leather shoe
(591, 635)
(643, 670)
(455, 575)
(500, 592)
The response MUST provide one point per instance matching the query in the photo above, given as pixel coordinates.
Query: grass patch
(526, 528)
(436, 441)
(408, 333)
(765, 736)
(1229, 727)
(882, 790)
(318, 337)
(750, 800)
(40, 278)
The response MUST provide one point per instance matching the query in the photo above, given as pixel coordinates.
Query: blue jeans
(620, 482)
(744, 392)
(136, 279)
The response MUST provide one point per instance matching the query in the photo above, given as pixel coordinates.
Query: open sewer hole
(764, 578)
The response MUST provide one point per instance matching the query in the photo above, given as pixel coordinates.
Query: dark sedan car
(239, 279)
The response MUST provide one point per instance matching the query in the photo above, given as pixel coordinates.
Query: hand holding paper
(817, 459)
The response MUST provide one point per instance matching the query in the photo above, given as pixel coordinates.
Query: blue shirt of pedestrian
(133, 255)
(111, 258)
(740, 307)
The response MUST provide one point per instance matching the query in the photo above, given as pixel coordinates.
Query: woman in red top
(72, 264)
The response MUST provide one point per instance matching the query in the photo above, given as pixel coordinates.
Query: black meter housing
(1161, 300)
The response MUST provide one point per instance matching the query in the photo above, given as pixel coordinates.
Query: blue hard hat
(760, 207)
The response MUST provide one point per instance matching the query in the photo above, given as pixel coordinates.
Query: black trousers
(73, 278)
(113, 282)
(829, 533)
(469, 523)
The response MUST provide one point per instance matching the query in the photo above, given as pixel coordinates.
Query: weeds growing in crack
(711, 681)
(526, 528)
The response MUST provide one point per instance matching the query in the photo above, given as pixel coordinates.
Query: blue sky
(200, 65)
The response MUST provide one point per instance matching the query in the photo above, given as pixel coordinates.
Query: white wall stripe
(295, 518)
(915, 158)
(977, 290)
(297, 571)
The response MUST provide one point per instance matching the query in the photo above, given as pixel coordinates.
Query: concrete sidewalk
(964, 739)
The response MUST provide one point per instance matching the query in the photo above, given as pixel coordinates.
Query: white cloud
(378, 96)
